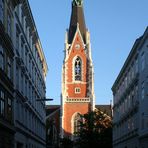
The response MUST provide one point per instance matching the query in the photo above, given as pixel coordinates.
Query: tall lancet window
(78, 69)
(76, 124)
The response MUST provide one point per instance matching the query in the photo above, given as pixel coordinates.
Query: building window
(142, 121)
(22, 83)
(9, 108)
(76, 124)
(129, 77)
(2, 10)
(26, 57)
(1, 57)
(78, 67)
(22, 49)
(25, 87)
(17, 41)
(17, 78)
(32, 70)
(126, 81)
(129, 101)
(142, 61)
(2, 103)
(136, 90)
(136, 65)
(9, 25)
(142, 91)
(77, 90)
(126, 104)
(29, 68)
(29, 90)
(132, 71)
(9, 67)
(22, 17)
(132, 98)
(17, 108)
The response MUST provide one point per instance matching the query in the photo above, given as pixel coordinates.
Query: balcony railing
(77, 99)
(127, 90)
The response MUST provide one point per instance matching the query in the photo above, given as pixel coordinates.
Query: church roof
(77, 17)
(51, 108)
(105, 108)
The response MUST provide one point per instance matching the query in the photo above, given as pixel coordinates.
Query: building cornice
(131, 54)
(135, 49)
(30, 21)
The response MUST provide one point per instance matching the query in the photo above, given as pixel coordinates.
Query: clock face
(77, 46)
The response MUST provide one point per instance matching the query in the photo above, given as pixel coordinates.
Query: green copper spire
(77, 2)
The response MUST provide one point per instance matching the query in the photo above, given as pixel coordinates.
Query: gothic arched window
(76, 123)
(78, 69)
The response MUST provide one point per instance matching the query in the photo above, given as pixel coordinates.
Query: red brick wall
(71, 108)
(74, 53)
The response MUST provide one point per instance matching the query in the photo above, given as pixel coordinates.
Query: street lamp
(44, 99)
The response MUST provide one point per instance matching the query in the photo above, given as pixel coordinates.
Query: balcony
(127, 90)
(71, 100)
(126, 136)
(128, 113)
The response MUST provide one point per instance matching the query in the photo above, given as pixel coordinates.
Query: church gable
(76, 59)
(77, 45)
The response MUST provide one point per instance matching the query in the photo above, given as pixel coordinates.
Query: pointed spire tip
(77, 2)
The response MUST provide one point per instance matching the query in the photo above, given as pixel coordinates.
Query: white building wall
(29, 114)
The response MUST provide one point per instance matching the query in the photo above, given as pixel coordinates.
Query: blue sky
(114, 26)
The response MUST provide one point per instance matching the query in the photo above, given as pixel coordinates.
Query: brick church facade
(77, 82)
(77, 72)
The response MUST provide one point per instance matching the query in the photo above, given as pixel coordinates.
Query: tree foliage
(66, 143)
(95, 130)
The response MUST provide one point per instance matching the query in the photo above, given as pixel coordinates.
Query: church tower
(77, 73)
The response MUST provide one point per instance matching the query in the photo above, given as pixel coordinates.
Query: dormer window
(78, 69)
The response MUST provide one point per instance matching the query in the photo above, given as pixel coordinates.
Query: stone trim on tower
(77, 94)
(68, 47)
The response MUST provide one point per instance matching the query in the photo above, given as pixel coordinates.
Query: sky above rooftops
(114, 26)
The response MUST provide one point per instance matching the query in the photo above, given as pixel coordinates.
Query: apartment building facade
(23, 70)
(130, 90)
(7, 129)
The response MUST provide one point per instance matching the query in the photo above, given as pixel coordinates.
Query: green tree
(95, 130)
(66, 143)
